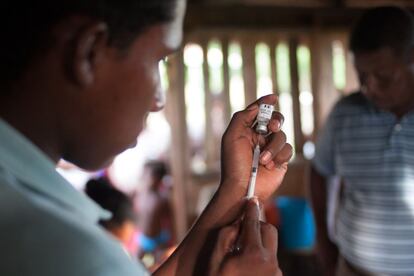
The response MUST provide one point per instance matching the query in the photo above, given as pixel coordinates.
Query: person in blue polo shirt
(77, 79)
(368, 141)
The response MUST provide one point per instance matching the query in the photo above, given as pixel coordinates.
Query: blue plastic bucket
(297, 229)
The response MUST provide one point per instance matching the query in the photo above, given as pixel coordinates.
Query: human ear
(89, 47)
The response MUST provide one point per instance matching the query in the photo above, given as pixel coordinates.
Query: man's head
(78, 77)
(382, 42)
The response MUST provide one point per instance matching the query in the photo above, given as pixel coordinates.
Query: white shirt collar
(37, 172)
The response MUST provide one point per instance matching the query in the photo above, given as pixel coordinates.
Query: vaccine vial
(263, 118)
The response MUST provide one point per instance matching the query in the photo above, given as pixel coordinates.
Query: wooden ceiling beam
(305, 3)
(373, 3)
(242, 16)
(339, 15)
(279, 3)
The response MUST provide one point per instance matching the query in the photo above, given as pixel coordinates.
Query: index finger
(250, 235)
(267, 99)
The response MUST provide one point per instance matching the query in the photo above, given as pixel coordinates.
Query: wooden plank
(179, 155)
(306, 3)
(352, 83)
(273, 68)
(209, 139)
(374, 3)
(248, 47)
(323, 89)
(294, 79)
(278, 3)
(226, 81)
(266, 17)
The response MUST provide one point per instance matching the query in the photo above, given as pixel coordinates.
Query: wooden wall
(315, 23)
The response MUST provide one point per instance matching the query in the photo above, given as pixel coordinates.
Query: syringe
(255, 167)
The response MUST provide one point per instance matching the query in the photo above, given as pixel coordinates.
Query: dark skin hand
(238, 143)
(246, 247)
(193, 256)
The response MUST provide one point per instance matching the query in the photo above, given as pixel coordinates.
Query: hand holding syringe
(266, 144)
(263, 118)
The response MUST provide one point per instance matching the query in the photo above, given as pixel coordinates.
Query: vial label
(265, 112)
(263, 118)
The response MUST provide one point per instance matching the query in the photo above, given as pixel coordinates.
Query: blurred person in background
(123, 222)
(367, 142)
(153, 205)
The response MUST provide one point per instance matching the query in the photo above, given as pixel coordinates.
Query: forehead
(382, 58)
(163, 38)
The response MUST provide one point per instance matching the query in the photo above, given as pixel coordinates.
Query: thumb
(225, 245)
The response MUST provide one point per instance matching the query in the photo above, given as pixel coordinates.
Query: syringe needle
(255, 167)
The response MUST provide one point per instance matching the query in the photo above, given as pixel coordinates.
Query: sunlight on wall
(162, 67)
(339, 65)
(305, 94)
(194, 91)
(285, 97)
(263, 70)
(216, 85)
(235, 60)
(215, 64)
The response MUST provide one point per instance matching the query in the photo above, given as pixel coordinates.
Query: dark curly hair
(25, 25)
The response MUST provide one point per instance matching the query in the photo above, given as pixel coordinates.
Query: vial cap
(261, 128)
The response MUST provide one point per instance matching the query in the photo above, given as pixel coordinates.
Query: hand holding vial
(250, 155)
(238, 144)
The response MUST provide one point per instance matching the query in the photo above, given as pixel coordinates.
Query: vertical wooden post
(352, 83)
(249, 70)
(324, 92)
(294, 79)
(179, 157)
(226, 81)
(209, 139)
(273, 69)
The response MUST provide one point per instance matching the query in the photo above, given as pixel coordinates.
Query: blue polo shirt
(373, 152)
(46, 226)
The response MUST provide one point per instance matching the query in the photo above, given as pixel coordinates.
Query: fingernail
(279, 125)
(266, 156)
